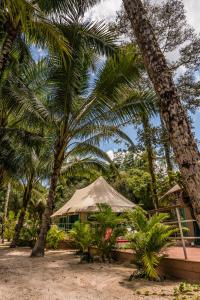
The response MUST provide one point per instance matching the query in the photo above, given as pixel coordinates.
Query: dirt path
(60, 276)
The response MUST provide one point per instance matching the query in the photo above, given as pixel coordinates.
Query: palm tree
(78, 151)
(21, 114)
(172, 112)
(81, 113)
(21, 120)
(133, 91)
(35, 166)
(22, 17)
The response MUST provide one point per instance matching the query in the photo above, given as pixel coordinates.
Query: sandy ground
(60, 276)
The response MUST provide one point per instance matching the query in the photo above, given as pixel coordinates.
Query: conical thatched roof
(174, 189)
(86, 199)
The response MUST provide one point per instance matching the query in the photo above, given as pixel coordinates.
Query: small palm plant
(82, 235)
(148, 237)
(107, 227)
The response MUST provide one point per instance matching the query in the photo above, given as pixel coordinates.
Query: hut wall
(83, 217)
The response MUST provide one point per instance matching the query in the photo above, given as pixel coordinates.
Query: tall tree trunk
(150, 155)
(39, 247)
(172, 111)
(20, 222)
(166, 146)
(11, 34)
(6, 209)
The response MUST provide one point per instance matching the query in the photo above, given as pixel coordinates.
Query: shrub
(148, 238)
(10, 226)
(107, 227)
(29, 231)
(54, 236)
(82, 235)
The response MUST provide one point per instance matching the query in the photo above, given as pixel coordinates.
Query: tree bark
(1, 177)
(6, 210)
(20, 222)
(3, 124)
(166, 146)
(172, 111)
(150, 155)
(11, 35)
(39, 247)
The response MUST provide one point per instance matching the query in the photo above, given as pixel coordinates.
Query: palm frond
(76, 8)
(54, 40)
(124, 67)
(150, 261)
(25, 137)
(83, 166)
(96, 35)
(149, 237)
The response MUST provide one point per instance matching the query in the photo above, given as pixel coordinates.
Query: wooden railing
(180, 223)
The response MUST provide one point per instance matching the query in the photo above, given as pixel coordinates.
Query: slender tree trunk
(11, 34)
(2, 171)
(3, 124)
(1, 177)
(150, 155)
(6, 209)
(172, 111)
(20, 222)
(39, 247)
(7, 200)
(166, 145)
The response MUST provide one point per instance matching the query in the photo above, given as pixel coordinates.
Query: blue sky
(130, 130)
(106, 10)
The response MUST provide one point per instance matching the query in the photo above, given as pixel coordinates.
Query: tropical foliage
(148, 237)
(81, 233)
(10, 226)
(54, 237)
(25, 22)
(58, 111)
(107, 227)
(29, 232)
(101, 232)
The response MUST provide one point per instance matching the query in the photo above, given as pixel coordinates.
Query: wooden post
(181, 232)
